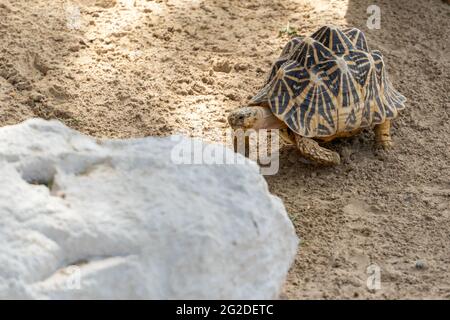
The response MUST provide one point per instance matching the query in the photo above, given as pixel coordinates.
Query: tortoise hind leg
(383, 135)
(311, 150)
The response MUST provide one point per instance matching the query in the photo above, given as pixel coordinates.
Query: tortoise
(326, 86)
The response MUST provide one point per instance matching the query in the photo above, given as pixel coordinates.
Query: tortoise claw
(385, 145)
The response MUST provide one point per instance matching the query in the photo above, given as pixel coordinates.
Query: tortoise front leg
(383, 135)
(311, 150)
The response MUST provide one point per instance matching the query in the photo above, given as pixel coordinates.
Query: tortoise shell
(330, 83)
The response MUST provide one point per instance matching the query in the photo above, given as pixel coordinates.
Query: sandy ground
(138, 68)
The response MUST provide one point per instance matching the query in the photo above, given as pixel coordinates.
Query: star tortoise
(325, 86)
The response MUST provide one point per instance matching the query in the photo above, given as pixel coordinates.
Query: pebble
(37, 97)
(222, 66)
(420, 265)
(240, 67)
(74, 48)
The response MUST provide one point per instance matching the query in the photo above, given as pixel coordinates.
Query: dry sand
(138, 68)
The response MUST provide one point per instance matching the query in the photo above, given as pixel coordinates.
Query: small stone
(240, 67)
(420, 265)
(36, 96)
(74, 48)
(222, 66)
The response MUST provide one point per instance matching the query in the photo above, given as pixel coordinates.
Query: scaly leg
(383, 135)
(311, 150)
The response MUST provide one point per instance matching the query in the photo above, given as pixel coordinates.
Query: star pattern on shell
(328, 83)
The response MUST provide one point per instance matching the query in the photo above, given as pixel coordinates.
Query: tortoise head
(254, 117)
(244, 118)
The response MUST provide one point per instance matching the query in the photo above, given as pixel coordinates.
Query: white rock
(117, 219)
